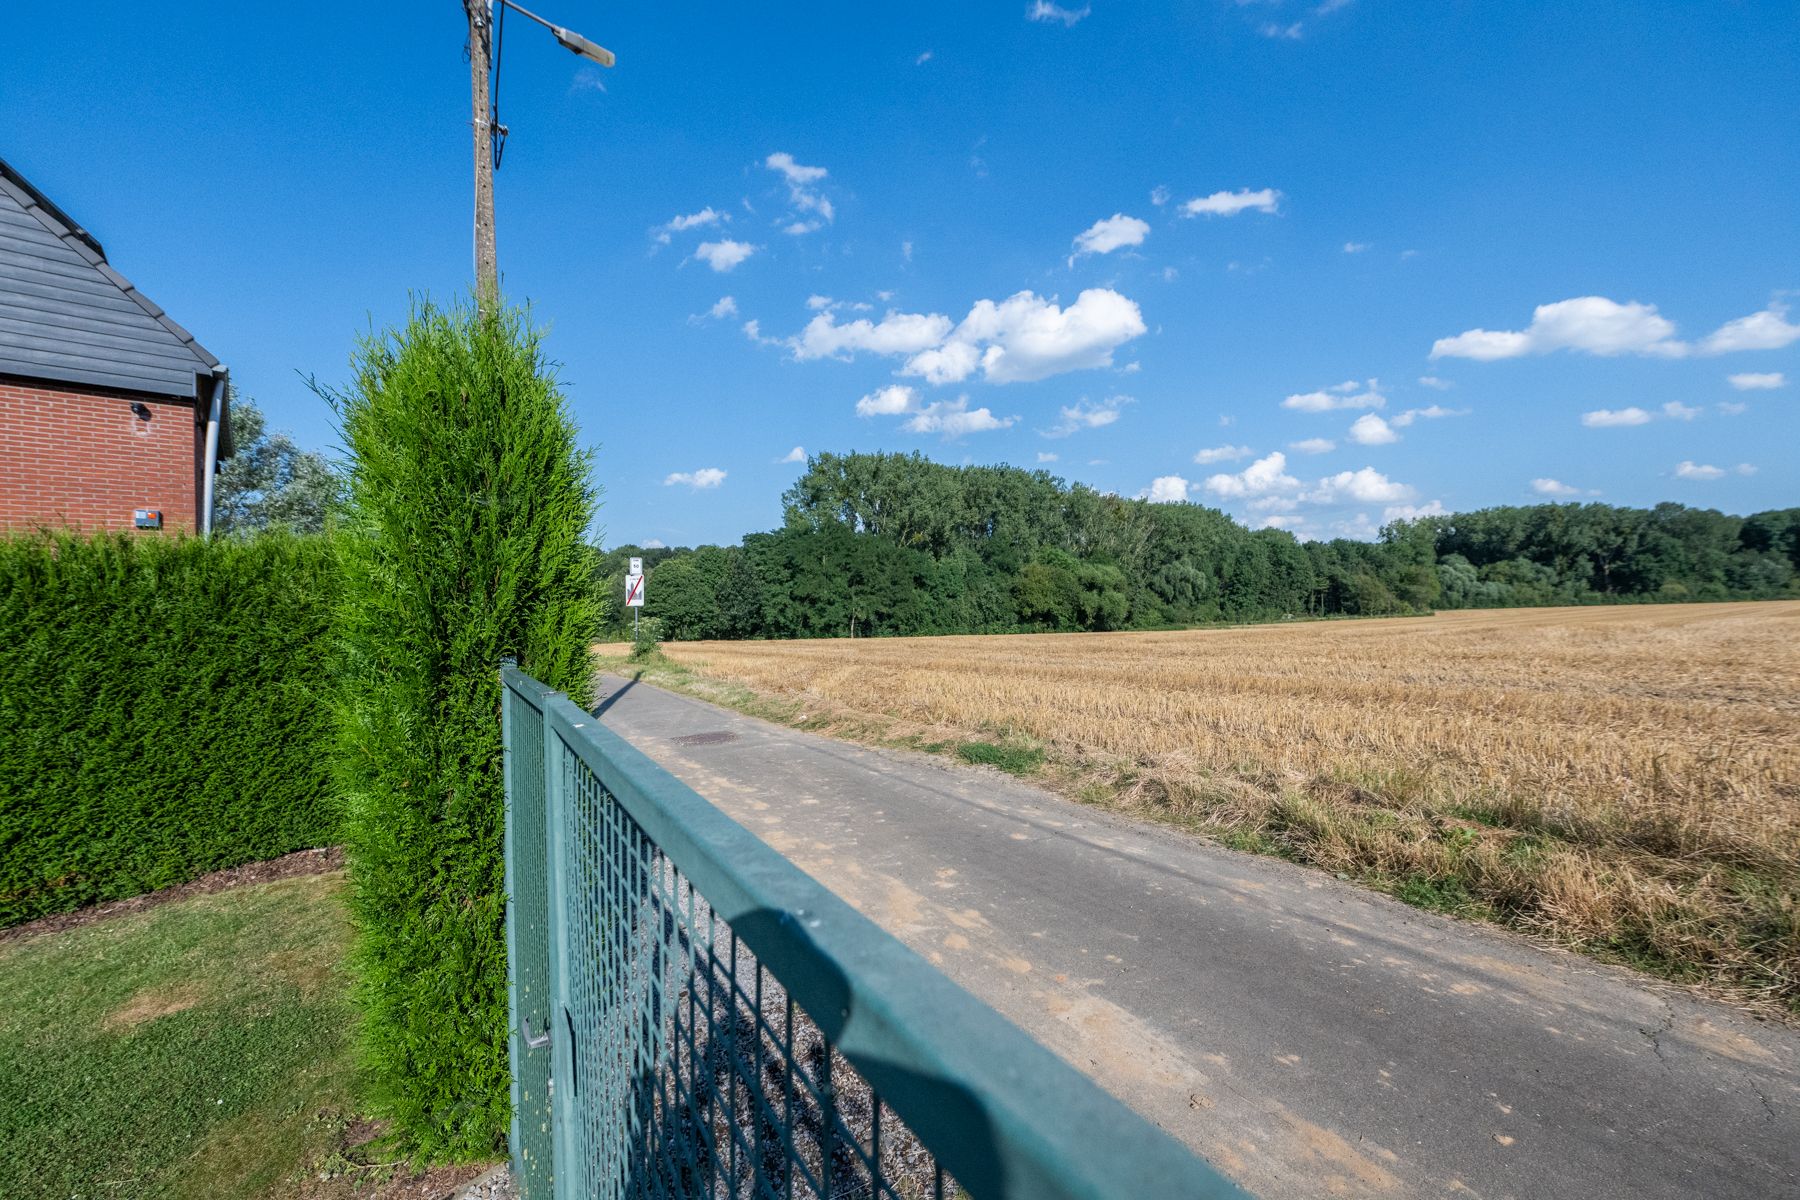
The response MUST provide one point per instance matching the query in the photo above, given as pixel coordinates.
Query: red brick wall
(77, 456)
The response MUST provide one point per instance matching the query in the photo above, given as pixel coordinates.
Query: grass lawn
(198, 1049)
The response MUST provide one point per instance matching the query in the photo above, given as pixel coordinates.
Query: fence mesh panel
(678, 990)
(696, 1075)
(528, 945)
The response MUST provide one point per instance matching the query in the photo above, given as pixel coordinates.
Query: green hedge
(462, 542)
(162, 711)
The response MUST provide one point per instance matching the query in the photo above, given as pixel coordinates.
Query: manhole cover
(713, 738)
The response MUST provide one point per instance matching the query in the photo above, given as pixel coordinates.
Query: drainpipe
(214, 415)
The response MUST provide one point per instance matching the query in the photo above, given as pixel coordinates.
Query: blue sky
(1485, 253)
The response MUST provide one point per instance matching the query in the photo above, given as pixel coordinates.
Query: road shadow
(599, 710)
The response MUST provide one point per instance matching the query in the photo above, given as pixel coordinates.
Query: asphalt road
(1308, 1037)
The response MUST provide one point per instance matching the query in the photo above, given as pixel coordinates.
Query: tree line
(875, 545)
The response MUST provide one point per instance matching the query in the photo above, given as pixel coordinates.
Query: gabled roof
(67, 316)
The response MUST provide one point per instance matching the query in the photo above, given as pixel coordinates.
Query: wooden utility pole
(487, 263)
(481, 50)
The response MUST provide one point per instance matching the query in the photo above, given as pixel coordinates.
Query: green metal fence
(693, 1016)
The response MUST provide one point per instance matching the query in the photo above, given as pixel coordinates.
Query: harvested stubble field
(1623, 780)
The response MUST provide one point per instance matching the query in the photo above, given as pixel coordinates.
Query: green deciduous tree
(885, 544)
(269, 481)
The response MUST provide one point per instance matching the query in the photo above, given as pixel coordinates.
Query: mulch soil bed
(288, 866)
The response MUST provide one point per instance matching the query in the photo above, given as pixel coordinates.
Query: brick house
(111, 415)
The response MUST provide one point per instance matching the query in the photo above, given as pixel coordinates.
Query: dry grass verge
(1621, 780)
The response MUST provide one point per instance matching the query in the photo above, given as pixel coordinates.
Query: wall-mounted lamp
(140, 410)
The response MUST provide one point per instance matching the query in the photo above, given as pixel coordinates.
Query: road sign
(634, 591)
(637, 567)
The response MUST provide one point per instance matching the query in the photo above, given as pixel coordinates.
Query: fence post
(566, 1148)
(515, 1044)
(527, 939)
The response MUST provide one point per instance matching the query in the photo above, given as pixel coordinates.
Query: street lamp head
(580, 45)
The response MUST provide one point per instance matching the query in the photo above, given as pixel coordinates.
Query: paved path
(1309, 1037)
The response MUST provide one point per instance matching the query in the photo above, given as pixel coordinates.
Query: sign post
(634, 594)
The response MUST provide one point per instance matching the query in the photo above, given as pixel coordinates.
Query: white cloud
(1165, 489)
(1314, 445)
(1045, 456)
(1159, 195)
(1371, 430)
(817, 302)
(801, 192)
(1336, 397)
(723, 255)
(652, 544)
(706, 216)
(1767, 330)
(1752, 381)
(1431, 412)
(726, 307)
(1591, 324)
(1022, 338)
(1597, 325)
(1702, 472)
(792, 171)
(895, 333)
(705, 477)
(922, 59)
(1230, 204)
(1290, 32)
(890, 401)
(1733, 408)
(797, 454)
(798, 228)
(949, 363)
(1367, 486)
(1612, 418)
(1277, 521)
(1265, 487)
(1412, 512)
(1355, 247)
(1085, 414)
(954, 418)
(1553, 487)
(1432, 381)
(1026, 337)
(1219, 454)
(1112, 233)
(1268, 488)
(1267, 474)
(1044, 10)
